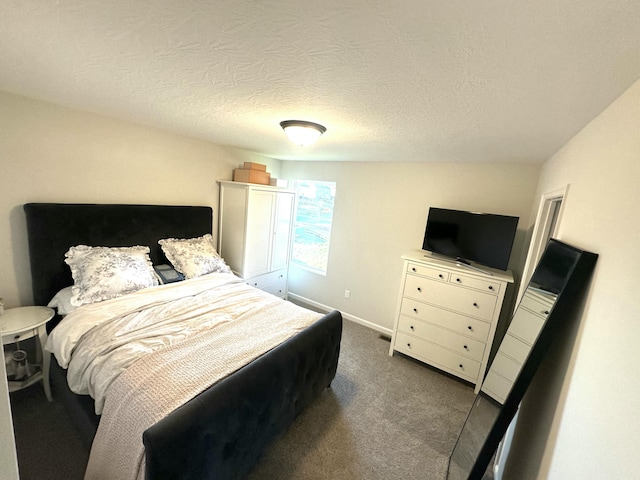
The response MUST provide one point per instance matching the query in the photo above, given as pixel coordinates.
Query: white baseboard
(326, 309)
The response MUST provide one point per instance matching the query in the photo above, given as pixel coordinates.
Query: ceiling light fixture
(302, 132)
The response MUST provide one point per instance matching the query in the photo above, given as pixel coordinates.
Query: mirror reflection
(481, 419)
(527, 322)
(560, 266)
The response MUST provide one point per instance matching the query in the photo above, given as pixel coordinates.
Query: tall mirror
(554, 289)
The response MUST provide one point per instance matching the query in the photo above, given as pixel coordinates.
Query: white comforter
(96, 342)
(143, 355)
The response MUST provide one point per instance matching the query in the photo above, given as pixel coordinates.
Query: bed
(221, 432)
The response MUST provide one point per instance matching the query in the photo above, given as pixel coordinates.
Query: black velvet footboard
(221, 433)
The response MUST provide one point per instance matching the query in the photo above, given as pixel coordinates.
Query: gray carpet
(47, 443)
(383, 418)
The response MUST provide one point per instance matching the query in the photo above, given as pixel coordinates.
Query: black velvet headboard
(54, 227)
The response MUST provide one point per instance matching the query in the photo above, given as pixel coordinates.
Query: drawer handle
(458, 280)
(409, 345)
(440, 275)
(490, 287)
(475, 304)
(461, 367)
(411, 327)
(465, 347)
(419, 289)
(413, 269)
(469, 327)
(16, 337)
(415, 310)
(545, 312)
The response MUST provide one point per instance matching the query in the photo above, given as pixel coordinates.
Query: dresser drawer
(501, 376)
(505, 367)
(262, 281)
(458, 343)
(496, 386)
(514, 348)
(439, 356)
(279, 289)
(526, 325)
(477, 283)
(463, 300)
(471, 327)
(428, 272)
(539, 304)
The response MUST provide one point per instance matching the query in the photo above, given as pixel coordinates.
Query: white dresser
(447, 314)
(254, 233)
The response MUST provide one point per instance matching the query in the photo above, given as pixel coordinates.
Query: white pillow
(193, 257)
(62, 302)
(101, 273)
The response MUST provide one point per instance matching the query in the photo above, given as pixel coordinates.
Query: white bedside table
(18, 324)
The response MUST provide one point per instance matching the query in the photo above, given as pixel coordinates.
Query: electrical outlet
(347, 294)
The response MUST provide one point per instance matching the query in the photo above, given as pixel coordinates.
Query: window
(312, 224)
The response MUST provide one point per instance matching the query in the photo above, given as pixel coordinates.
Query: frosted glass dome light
(302, 132)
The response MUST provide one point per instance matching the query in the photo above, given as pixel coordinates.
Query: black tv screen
(484, 238)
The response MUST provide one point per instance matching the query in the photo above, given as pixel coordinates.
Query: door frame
(547, 224)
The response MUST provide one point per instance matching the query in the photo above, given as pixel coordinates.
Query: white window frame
(324, 232)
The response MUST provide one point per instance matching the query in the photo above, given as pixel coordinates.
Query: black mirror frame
(564, 306)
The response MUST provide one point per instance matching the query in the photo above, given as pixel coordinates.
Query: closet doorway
(546, 226)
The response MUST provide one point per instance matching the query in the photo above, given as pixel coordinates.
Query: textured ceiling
(405, 80)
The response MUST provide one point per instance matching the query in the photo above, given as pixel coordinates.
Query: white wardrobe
(254, 233)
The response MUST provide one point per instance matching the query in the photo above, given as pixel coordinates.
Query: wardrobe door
(259, 239)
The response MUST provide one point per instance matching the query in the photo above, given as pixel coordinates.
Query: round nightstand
(18, 324)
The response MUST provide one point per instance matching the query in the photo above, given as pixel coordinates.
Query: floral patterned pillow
(193, 257)
(101, 273)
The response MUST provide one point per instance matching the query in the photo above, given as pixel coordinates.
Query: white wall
(8, 460)
(380, 213)
(580, 417)
(54, 154)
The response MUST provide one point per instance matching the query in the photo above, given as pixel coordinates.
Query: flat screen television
(484, 238)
